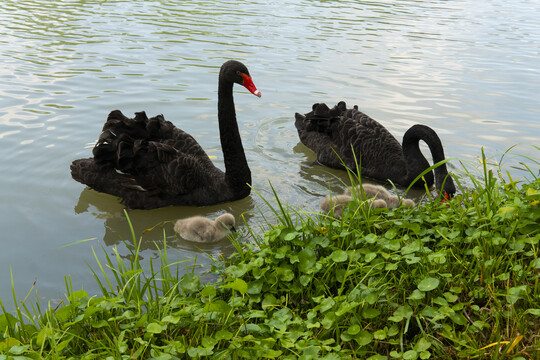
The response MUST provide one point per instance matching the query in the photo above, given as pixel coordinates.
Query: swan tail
(88, 172)
(321, 119)
(318, 129)
(123, 137)
(112, 182)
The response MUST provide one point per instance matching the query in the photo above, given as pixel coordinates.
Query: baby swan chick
(203, 230)
(339, 202)
(336, 202)
(379, 192)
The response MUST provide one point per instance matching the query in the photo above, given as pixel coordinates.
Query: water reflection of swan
(150, 163)
(117, 228)
(333, 134)
(313, 173)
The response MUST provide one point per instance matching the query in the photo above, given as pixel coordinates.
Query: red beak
(248, 84)
(446, 197)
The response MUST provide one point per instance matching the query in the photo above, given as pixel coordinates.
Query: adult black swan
(150, 163)
(333, 134)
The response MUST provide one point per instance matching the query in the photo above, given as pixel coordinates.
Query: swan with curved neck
(150, 163)
(347, 136)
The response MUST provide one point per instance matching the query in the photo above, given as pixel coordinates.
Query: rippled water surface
(469, 69)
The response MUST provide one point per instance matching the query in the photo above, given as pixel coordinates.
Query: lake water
(469, 69)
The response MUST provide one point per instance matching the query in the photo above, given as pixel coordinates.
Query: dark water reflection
(469, 69)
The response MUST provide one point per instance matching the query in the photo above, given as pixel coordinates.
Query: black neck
(414, 156)
(416, 161)
(237, 171)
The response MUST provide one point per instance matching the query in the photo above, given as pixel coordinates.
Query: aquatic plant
(444, 280)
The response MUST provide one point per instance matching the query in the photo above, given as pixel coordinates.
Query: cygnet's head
(227, 221)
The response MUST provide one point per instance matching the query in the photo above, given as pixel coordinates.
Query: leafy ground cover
(454, 279)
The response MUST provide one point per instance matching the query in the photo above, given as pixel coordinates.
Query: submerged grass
(445, 280)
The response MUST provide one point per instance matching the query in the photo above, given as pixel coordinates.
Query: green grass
(444, 280)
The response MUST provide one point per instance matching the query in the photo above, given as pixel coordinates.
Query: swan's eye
(244, 77)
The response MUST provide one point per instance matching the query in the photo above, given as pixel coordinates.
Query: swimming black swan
(150, 163)
(203, 230)
(331, 133)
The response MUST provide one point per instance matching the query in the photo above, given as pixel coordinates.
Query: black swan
(334, 133)
(202, 230)
(150, 163)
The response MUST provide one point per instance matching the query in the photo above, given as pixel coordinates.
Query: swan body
(333, 134)
(203, 230)
(150, 163)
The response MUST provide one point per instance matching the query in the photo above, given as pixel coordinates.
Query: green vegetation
(445, 280)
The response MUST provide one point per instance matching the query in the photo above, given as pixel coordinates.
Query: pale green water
(469, 69)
